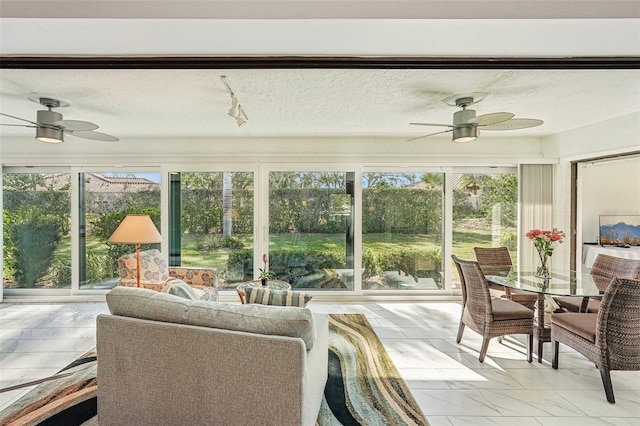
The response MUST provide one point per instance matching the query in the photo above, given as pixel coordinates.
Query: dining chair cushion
(574, 304)
(508, 310)
(584, 325)
(522, 296)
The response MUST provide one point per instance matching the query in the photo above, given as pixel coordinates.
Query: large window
(402, 231)
(311, 229)
(396, 228)
(484, 213)
(37, 242)
(105, 199)
(211, 223)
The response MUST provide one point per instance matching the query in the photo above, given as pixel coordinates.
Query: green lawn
(193, 253)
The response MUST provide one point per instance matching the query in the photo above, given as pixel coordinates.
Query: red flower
(264, 272)
(543, 240)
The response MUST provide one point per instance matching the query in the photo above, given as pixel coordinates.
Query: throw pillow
(267, 296)
(180, 288)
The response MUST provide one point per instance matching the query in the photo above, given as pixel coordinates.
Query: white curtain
(536, 201)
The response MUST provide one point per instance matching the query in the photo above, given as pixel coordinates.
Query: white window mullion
(75, 230)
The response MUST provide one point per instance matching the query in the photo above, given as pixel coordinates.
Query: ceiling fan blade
(514, 124)
(430, 134)
(19, 125)
(90, 134)
(76, 125)
(21, 119)
(431, 124)
(492, 118)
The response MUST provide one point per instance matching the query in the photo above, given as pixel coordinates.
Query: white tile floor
(446, 379)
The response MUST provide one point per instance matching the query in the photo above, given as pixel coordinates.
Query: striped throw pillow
(267, 296)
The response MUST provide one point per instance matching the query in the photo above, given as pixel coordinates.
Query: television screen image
(620, 230)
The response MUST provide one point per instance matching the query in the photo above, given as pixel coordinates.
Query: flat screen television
(620, 230)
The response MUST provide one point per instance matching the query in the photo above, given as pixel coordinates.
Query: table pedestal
(541, 332)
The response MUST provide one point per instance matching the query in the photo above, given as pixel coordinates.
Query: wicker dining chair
(463, 287)
(487, 316)
(604, 266)
(610, 338)
(498, 259)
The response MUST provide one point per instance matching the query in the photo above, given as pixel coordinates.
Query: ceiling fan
(466, 124)
(51, 128)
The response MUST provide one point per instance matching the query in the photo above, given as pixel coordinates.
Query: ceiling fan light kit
(48, 132)
(465, 134)
(466, 125)
(44, 134)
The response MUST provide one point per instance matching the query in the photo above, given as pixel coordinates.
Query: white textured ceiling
(314, 102)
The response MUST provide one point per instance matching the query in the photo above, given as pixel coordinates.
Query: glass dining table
(561, 283)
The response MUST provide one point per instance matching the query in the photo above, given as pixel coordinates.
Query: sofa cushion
(251, 318)
(267, 296)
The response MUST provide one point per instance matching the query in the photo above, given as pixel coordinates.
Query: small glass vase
(263, 281)
(543, 269)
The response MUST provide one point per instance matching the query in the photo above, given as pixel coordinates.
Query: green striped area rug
(363, 387)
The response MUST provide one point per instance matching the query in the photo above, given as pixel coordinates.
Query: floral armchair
(154, 272)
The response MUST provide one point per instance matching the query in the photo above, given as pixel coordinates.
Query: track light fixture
(235, 106)
(236, 110)
(241, 118)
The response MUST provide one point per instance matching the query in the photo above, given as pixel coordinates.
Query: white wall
(607, 188)
(611, 137)
(616, 135)
(486, 151)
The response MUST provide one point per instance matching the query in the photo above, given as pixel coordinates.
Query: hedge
(316, 268)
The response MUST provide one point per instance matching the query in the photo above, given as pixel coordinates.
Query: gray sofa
(165, 360)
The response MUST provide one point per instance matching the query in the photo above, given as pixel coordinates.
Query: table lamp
(136, 229)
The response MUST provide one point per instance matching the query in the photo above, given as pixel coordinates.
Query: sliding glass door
(37, 230)
(402, 231)
(105, 199)
(211, 223)
(484, 213)
(311, 239)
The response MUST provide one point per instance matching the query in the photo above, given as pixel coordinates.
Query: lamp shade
(136, 229)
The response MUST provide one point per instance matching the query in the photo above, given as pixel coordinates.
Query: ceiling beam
(323, 62)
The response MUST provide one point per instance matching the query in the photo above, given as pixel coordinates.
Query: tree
(500, 190)
(382, 180)
(432, 180)
(472, 183)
